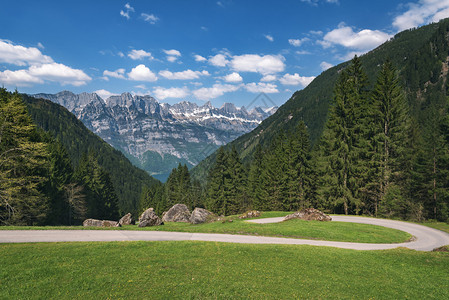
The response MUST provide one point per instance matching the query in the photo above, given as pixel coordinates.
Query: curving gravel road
(426, 239)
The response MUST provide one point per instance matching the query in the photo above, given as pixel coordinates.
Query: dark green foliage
(346, 140)
(127, 180)
(101, 198)
(179, 189)
(23, 165)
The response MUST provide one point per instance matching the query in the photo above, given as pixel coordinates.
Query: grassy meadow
(199, 270)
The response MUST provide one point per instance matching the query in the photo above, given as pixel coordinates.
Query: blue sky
(222, 51)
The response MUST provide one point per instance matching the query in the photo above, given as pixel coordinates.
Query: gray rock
(178, 213)
(250, 214)
(100, 223)
(149, 218)
(309, 214)
(126, 220)
(201, 215)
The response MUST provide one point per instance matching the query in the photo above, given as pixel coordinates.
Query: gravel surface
(425, 238)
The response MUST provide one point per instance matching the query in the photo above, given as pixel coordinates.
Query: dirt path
(427, 238)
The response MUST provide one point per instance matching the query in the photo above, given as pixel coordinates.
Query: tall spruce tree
(216, 197)
(388, 138)
(254, 192)
(346, 144)
(23, 164)
(101, 198)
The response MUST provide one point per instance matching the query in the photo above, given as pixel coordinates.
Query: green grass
(330, 231)
(199, 270)
(437, 225)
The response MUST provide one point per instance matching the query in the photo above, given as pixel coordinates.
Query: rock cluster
(126, 220)
(149, 218)
(309, 214)
(100, 223)
(200, 215)
(178, 213)
(250, 214)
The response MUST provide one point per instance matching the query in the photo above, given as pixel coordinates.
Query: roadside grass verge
(437, 225)
(192, 270)
(330, 231)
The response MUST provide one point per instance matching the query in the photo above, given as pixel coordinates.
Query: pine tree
(254, 192)
(216, 197)
(390, 123)
(101, 199)
(345, 127)
(23, 164)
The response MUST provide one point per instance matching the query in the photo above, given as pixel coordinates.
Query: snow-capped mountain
(157, 136)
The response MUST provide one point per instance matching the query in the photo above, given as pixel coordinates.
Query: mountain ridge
(157, 136)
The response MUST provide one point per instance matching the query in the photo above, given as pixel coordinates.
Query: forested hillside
(126, 179)
(311, 105)
(378, 143)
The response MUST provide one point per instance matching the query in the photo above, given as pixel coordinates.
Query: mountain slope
(157, 136)
(128, 180)
(311, 105)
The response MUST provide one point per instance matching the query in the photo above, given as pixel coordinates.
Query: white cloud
(269, 37)
(423, 12)
(233, 77)
(215, 91)
(298, 42)
(45, 72)
(268, 78)
(139, 54)
(41, 67)
(316, 32)
(141, 86)
(119, 73)
(302, 52)
(315, 2)
(172, 52)
(19, 78)
(325, 65)
(183, 75)
(104, 94)
(60, 73)
(267, 64)
(21, 56)
(199, 58)
(172, 55)
(142, 73)
(363, 40)
(121, 54)
(261, 87)
(218, 60)
(295, 79)
(150, 18)
(163, 93)
(128, 9)
(39, 45)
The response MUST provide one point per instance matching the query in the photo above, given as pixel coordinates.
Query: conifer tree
(216, 197)
(254, 192)
(23, 164)
(346, 139)
(390, 123)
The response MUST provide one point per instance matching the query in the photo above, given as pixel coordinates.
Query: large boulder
(100, 223)
(250, 214)
(201, 215)
(149, 218)
(178, 213)
(309, 214)
(126, 220)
